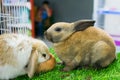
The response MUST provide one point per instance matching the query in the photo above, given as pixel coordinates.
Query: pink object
(116, 39)
(117, 43)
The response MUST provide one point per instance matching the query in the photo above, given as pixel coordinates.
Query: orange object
(32, 18)
(47, 65)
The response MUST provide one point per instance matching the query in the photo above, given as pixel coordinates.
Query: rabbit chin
(53, 40)
(56, 39)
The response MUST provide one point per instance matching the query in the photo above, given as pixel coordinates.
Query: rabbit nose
(45, 33)
(48, 36)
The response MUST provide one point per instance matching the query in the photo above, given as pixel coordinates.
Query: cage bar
(14, 17)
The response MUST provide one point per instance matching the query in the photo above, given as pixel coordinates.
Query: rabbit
(21, 55)
(79, 44)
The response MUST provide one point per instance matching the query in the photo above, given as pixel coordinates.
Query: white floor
(118, 49)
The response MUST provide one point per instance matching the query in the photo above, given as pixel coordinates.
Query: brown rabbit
(79, 43)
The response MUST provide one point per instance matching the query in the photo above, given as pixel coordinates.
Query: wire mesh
(14, 17)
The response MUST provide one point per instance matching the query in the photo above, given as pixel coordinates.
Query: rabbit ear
(32, 65)
(83, 24)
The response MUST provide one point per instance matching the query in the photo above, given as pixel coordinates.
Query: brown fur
(89, 46)
(6, 55)
(32, 63)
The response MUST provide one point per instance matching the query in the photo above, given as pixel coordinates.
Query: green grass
(112, 72)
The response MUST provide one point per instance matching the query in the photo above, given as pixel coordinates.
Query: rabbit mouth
(48, 37)
(53, 39)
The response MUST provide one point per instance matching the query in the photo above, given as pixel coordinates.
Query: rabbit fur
(20, 55)
(80, 43)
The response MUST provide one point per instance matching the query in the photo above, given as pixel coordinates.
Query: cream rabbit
(79, 43)
(21, 55)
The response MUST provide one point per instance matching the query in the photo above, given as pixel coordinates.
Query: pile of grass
(112, 72)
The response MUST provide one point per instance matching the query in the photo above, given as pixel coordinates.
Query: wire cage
(15, 17)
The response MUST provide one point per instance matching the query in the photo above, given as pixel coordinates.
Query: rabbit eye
(58, 29)
(44, 55)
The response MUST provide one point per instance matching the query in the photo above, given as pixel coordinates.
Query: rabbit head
(42, 49)
(62, 30)
(40, 54)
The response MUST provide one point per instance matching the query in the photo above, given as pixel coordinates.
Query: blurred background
(33, 17)
(70, 10)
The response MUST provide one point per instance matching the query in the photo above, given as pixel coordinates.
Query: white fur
(9, 71)
(22, 54)
(42, 59)
(22, 47)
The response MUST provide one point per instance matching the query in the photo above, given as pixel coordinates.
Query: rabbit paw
(70, 66)
(67, 68)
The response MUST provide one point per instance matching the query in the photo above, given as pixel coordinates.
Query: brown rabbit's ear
(83, 24)
(32, 65)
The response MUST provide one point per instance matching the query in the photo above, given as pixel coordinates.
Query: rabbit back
(81, 46)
